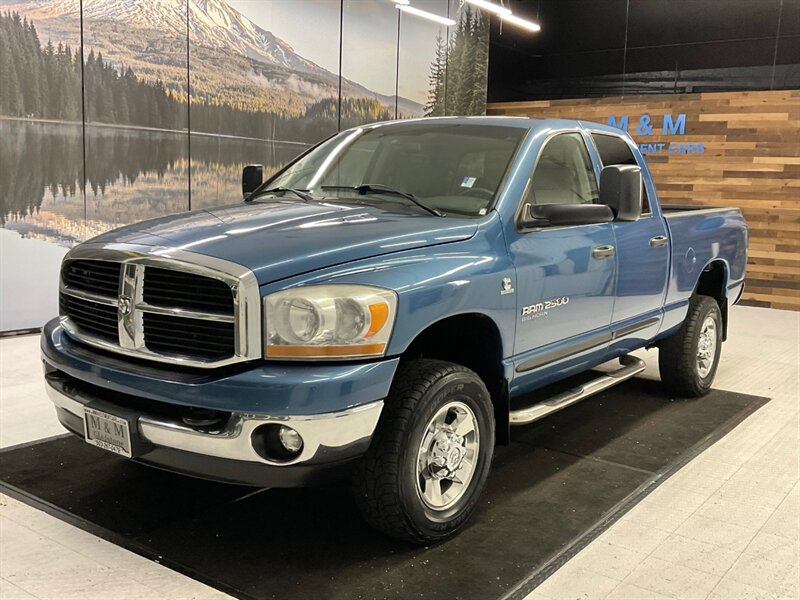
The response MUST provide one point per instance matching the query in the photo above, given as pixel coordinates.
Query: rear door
(642, 252)
(565, 275)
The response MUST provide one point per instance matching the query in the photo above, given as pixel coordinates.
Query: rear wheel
(421, 477)
(689, 358)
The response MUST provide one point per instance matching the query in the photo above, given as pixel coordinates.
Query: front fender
(435, 283)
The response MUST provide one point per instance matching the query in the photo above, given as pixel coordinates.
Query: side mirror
(561, 215)
(252, 177)
(621, 189)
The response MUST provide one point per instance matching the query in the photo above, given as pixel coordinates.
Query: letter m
(674, 127)
(622, 124)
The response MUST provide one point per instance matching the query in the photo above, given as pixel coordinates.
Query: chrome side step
(630, 366)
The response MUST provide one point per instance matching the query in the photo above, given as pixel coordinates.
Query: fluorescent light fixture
(426, 15)
(529, 25)
(490, 6)
(402, 1)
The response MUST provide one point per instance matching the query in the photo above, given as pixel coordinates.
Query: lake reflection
(131, 175)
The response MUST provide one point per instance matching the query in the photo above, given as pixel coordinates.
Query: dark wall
(591, 48)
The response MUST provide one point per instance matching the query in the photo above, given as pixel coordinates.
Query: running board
(630, 366)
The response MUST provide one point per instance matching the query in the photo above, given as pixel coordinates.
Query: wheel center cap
(454, 458)
(704, 346)
(447, 455)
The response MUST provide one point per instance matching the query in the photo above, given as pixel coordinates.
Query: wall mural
(171, 98)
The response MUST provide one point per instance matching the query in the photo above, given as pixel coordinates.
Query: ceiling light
(529, 25)
(490, 6)
(426, 15)
(402, 1)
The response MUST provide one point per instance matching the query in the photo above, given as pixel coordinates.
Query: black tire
(385, 481)
(678, 354)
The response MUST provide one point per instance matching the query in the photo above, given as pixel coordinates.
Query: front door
(565, 275)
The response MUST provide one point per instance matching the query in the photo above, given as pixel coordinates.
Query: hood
(279, 239)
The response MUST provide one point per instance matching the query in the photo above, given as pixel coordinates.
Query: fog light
(277, 443)
(290, 439)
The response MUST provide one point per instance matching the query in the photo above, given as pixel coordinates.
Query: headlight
(329, 321)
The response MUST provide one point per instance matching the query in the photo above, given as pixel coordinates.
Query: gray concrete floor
(725, 527)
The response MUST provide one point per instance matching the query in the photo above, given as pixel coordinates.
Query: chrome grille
(181, 308)
(212, 340)
(97, 276)
(166, 287)
(91, 317)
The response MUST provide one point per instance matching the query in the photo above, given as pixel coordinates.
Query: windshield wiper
(365, 188)
(300, 193)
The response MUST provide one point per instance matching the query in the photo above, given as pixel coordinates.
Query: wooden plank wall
(751, 160)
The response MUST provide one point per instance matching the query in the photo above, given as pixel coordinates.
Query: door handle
(659, 240)
(606, 251)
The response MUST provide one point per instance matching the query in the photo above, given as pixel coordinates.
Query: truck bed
(699, 235)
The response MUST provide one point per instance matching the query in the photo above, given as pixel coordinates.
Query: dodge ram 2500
(380, 307)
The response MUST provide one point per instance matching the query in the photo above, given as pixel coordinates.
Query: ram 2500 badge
(381, 306)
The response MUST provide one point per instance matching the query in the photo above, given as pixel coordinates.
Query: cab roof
(530, 123)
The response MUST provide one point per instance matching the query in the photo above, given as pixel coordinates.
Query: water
(131, 175)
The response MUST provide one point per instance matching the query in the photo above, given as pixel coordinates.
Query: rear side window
(563, 173)
(614, 150)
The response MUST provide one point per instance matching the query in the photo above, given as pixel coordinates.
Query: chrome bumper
(326, 437)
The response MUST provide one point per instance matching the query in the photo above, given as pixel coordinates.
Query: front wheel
(688, 359)
(421, 477)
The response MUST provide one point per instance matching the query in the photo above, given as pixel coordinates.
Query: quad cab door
(642, 254)
(565, 274)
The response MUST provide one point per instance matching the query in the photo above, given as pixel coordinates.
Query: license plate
(107, 431)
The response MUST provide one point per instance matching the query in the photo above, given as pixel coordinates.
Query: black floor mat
(561, 482)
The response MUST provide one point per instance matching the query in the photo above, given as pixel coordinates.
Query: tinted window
(614, 150)
(563, 174)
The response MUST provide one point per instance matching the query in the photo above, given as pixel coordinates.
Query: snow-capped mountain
(212, 24)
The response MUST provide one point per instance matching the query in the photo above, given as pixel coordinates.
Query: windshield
(449, 167)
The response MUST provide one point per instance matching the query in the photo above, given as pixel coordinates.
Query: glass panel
(614, 151)
(369, 63)
(263, 88)
(450, 167)
(564, 173)
(136, 112)
(467, 60)
(423, 61)
(41, 158)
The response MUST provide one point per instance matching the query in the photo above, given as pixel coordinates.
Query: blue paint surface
(439, 268)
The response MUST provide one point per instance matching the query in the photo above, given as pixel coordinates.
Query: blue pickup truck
(382, 306)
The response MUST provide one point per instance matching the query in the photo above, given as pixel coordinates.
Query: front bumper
(163, 436)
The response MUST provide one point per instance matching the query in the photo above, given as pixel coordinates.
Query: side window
(564, 173)
(614, 150)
